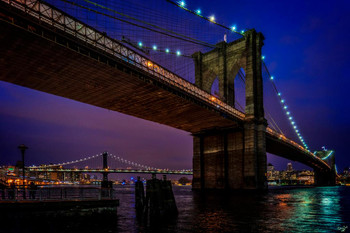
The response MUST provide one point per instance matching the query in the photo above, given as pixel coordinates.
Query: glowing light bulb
(178, 53)
(271, 77)
(242, 32)
(288, 113)
(279, 94)
(198, 12)
(263, 57)
(290, 118)
(285, 107)
(233, 28)
(182, 3)
(154, 47)
(282, 101)
(167, 50)
(293, 122)
(212, 18)
(140, 44)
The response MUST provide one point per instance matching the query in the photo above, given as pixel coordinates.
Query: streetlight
(23, 149)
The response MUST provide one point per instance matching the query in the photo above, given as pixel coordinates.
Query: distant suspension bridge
(132, 167)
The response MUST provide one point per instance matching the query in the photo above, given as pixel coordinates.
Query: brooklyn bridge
(55, 50)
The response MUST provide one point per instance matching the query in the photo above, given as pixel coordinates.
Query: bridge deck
(111, 83)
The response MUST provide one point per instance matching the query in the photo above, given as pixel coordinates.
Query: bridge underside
(278, 147)
(32, 61)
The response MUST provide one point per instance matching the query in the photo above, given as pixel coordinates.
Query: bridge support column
(254, 164)
(230, 158)
(105, 183)
(328, 177)
(322, 178)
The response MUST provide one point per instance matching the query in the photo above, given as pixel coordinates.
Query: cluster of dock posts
(159, 201)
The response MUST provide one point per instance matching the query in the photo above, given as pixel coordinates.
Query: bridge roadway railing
(292, 143)
(61, 20)
(56, 193)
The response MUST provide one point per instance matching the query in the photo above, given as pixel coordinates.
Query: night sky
(306, 49)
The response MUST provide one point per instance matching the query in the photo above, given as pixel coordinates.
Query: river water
(280, 209)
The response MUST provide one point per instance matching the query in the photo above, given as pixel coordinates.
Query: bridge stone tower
(104, 183)
(235, 157)
(326, 178)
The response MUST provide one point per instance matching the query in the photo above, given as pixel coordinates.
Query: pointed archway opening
(214, 90)
(239, 87)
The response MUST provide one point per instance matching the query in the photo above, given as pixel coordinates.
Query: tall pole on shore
(23, 149)
(105, 168)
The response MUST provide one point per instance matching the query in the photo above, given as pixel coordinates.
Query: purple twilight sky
(306, 49)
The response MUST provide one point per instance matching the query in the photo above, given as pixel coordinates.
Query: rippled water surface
(281, 209)
(311, 209)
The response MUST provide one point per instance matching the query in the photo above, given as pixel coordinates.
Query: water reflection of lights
(319, 210)
(326, 201)
(308, 210)
(283, 199)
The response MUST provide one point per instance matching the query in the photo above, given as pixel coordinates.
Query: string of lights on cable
(211, 18)
(162, 50)
(284, 105)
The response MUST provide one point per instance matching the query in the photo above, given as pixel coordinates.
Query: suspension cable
(233, 29)
(191, 40)
(284, 106)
